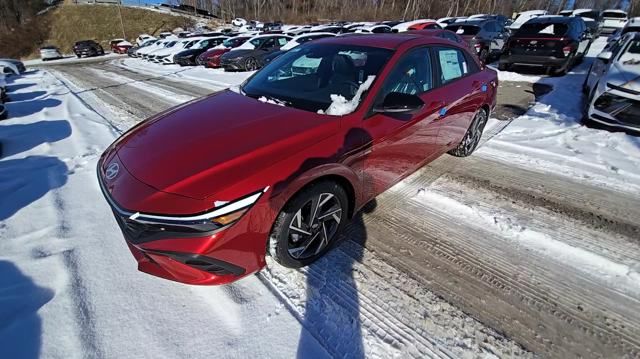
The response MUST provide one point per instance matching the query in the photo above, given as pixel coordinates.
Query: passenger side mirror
(396, 102)
(605, 56)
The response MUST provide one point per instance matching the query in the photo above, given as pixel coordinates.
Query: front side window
(307, 77)
(631, 53)
(453, 64)
(412, 75)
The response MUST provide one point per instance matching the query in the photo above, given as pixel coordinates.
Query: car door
(403, 142)
(461, 89)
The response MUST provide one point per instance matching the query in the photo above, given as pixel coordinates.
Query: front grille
(626, 111)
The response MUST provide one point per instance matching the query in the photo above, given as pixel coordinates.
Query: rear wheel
(309, 224)
(472, 138)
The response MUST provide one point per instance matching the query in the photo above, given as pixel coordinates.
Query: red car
(211, 58)
(427, 25)
(120, 46)
(202, 192)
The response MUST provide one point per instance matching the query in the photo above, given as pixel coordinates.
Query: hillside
(66, 24)
(70, 23)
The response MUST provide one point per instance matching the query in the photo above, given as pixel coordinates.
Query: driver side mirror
(605, 56)
(400, 103)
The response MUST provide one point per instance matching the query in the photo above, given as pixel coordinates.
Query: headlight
(219, 217)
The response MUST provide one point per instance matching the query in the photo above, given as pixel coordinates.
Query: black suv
(487, 36)
(87, 48)
(554, 42)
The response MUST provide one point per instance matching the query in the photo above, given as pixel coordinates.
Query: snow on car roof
(385, 41)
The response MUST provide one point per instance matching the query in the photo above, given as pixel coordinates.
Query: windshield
(543, 29)
(464, 29)
(631, 54)
(307, 76)
(614, 15)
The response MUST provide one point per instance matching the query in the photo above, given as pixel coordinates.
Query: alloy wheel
(313, 226)
(251, 65)
(474, 135)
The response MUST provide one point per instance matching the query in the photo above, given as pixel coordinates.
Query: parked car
(613, 20)
(374, 29)
(632, 25)
(296, 41)
(133, 51)
(120, 46)
(250, 55)
(592, 18)
(286, 165)
(487, 37)
(525, 16)
(189, 56)
(87, 48)
(427, 25)
(165, 34)
(211, 58)
(12, 66)
(145, 51)
(554, 42)
(143, 38)
(404, 26)
(443, 22)
(613, 85)
(50, 52)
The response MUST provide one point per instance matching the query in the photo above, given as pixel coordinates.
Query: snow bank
(340, 106)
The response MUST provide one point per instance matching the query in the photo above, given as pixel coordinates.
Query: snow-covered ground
(551, 138)
(69, 286)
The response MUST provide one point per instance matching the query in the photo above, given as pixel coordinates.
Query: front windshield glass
(307, 76)
(542, 29)
(631, 54)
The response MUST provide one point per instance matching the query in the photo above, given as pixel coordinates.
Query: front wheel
(251, 64)
(309, 224)
(473, 135)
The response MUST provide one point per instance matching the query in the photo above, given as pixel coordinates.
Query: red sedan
(427, 25)
(203, 191)
(120, 46)
(211, 58)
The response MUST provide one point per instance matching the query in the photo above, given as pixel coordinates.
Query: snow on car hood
(624, 75)
(206, 146)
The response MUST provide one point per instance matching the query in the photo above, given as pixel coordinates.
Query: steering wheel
(352, 87)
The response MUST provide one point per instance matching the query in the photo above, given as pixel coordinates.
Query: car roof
(552, 18)
(384, 41)
(615, 10)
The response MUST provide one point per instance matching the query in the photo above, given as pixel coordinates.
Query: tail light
(567, 50)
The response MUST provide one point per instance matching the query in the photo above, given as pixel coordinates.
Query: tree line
(298, 11)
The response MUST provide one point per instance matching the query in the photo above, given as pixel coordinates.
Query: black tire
(473, 135)
(299, 229)
(586, 103)
(585, 84)
(484, 55)
(250, 64)
(79, 56)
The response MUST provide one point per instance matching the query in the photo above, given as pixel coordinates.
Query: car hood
(203, 147)
(627, 76)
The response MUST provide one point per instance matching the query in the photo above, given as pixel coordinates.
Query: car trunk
(537, 46)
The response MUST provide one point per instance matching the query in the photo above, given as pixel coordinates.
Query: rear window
(614, 15)
(546, 29)
(464, 29)
(85, 42)
(590, 14)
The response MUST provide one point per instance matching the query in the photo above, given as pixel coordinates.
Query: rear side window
(614, 15)
(453, 64)
(464, 29)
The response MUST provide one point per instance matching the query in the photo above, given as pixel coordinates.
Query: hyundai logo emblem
(112, 171)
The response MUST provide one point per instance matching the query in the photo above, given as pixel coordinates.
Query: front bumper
(533, 60)
(217, 257)
(184, 61)
(231, 64)
(612, 109)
